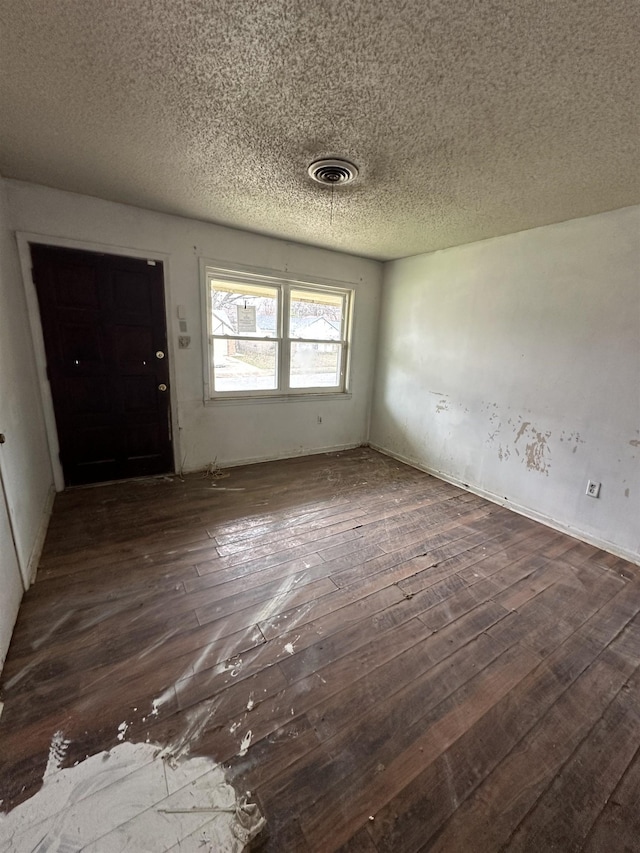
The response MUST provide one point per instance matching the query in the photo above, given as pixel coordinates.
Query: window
(272, 337)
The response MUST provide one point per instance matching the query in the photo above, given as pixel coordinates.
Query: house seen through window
(272, 337)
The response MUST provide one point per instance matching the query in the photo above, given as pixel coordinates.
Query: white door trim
(23, 238)
(4, 505)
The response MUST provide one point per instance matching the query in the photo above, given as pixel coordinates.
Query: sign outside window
(246, 319)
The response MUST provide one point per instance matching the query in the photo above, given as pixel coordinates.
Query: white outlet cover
(593, 489)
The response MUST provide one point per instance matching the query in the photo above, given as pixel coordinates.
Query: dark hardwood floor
(419, 669)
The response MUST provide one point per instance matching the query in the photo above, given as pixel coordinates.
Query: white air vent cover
(332, 173)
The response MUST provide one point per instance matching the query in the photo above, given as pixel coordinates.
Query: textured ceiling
(467, 118)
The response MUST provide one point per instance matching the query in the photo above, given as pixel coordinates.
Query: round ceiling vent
(333, 173)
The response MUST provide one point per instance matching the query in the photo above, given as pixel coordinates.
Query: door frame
(4, 504)
(24, 238)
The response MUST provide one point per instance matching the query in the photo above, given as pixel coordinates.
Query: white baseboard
(36, 551)
(289, 454)
(533, 514)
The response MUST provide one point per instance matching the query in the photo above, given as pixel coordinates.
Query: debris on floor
(130, 799)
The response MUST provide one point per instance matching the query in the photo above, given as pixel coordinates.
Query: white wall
(513, 365)
(228, 433)
(24, 459)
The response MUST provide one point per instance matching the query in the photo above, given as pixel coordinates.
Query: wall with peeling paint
(228, 433)
(25, 470)
(513, 366)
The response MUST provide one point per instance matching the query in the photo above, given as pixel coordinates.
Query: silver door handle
(162, 387)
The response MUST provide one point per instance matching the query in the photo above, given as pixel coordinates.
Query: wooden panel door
(104, 326)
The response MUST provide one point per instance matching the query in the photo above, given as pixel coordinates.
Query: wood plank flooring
(416, 669)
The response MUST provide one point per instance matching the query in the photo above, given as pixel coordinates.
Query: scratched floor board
(122, 564)
(363, 513)
(127, 601)
(334, 719)
(588, 678)
(193, 688)
(163, 662)
(398, 752)
(490, 741)
(405, 493)
(273, 555)
(620, 818)
(610, 747)
(275, 708)
(361, 726)
(393, 647)
(361, 842)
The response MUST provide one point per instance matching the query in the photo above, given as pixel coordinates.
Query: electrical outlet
(184, 341)
(593, 489)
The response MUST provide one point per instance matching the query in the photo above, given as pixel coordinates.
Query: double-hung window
(270, 336)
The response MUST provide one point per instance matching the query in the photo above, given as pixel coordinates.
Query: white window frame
(284, 284)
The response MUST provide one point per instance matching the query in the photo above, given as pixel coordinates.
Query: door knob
(159, 354)
(162, 387)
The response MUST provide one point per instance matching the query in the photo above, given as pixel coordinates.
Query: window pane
(245, 365)
(316, 315)
(243, 309)
(315, 365)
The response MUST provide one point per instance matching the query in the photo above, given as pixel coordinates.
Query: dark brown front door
(105, 336)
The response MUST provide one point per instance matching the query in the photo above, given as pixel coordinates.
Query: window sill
(277, 398)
